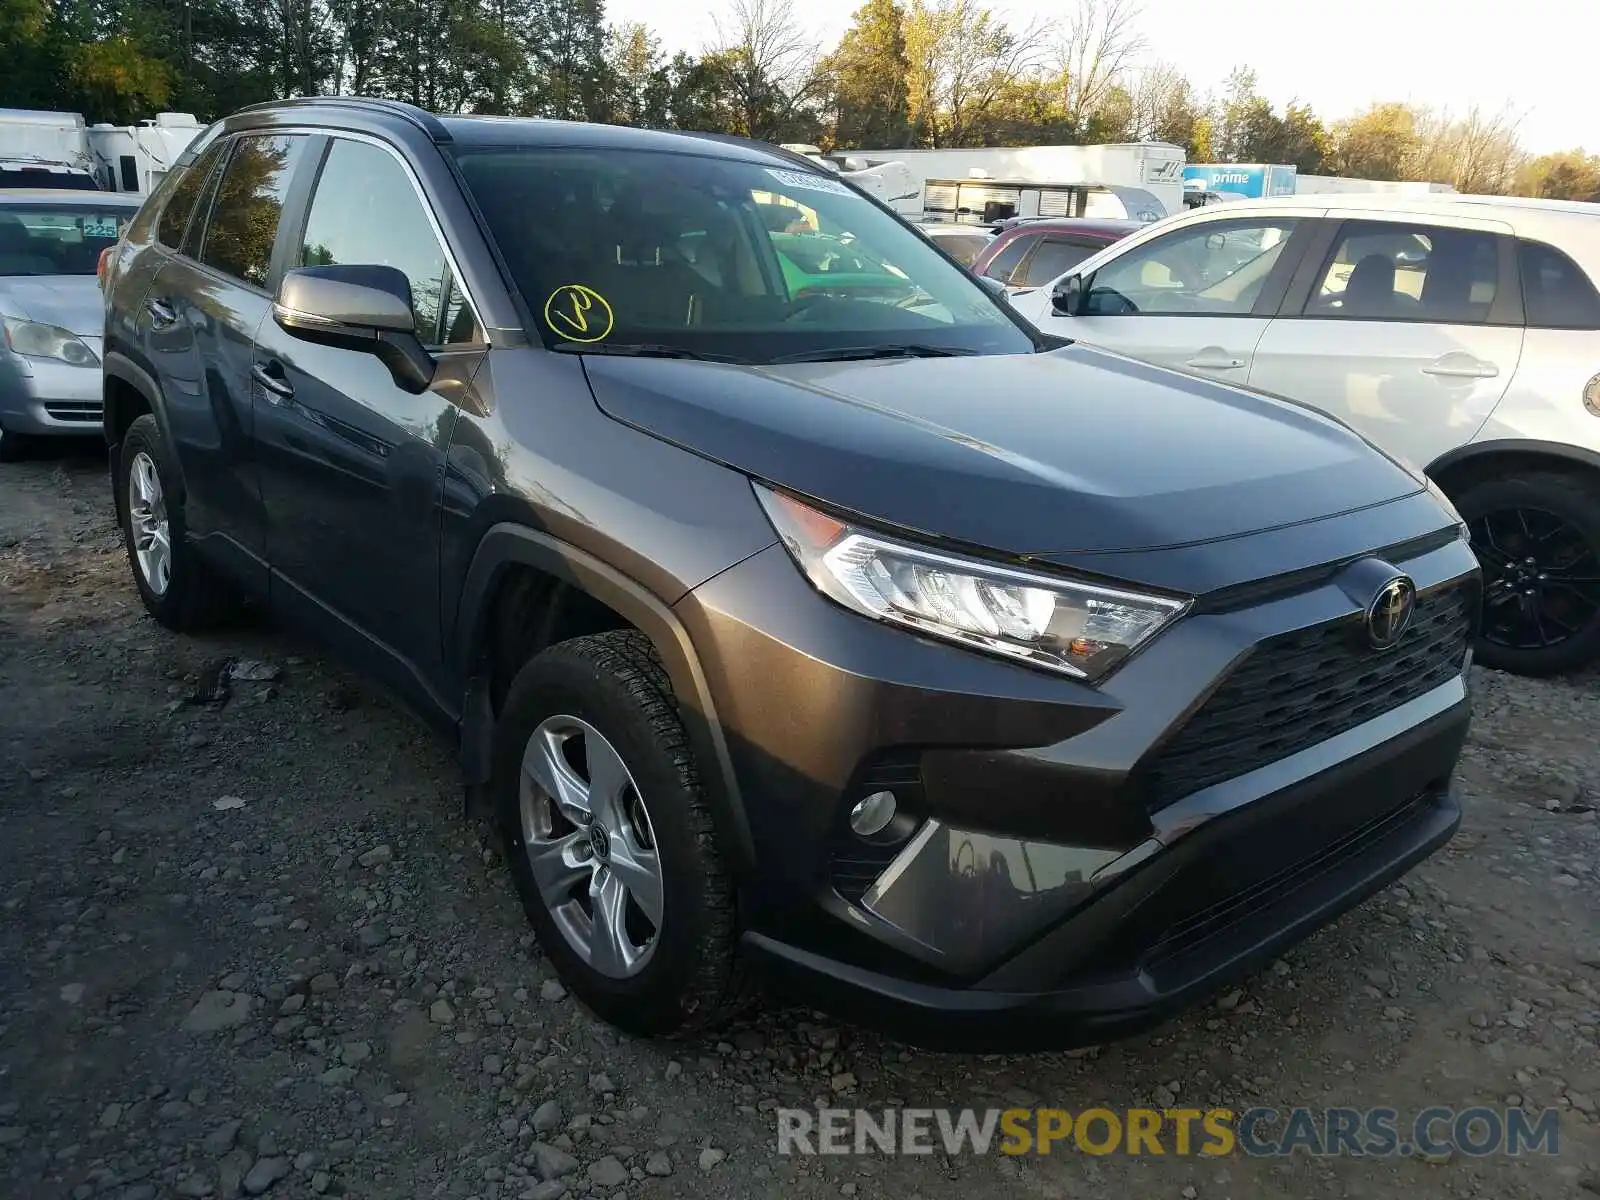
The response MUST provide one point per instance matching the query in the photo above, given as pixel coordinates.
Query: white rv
(56, 149)
(979, 200)
(43, 149)
(134, 158)
(890, 182)
(1153, 167)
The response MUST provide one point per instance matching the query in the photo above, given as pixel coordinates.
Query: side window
(1556, 294)
(1010, 255)
(187, 191)
(366, 212)
(1215, 269)
(1397, 272)
(1055, 256)
(248, 204)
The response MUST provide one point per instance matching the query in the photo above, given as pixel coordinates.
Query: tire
(1501, 540)
(14, 447)
(192, 596)
(689, 978)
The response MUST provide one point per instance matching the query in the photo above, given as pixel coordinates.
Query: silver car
(51, 315)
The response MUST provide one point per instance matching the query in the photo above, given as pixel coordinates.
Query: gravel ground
(253, 948)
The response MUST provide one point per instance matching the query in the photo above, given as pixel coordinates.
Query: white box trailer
(1154, 167)
(134, 158)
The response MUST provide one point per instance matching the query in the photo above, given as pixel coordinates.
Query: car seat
(1369, 292)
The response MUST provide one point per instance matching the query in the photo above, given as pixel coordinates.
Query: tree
(567, 42)
(768, 68)
(1565, 175)
(963, 58)
(1100, 42)
(1477, 153)
(640, 78)
(1162, 107)
(120, 83)
(1376, 144)
(867, 75)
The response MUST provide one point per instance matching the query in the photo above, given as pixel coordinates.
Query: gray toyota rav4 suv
(797, 611)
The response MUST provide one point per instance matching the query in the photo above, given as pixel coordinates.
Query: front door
(1197, 298)
(1409, 332)
(351, 463)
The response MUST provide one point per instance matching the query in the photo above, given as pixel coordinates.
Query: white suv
(1461, 333)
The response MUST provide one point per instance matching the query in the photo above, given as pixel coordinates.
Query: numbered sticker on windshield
(100, 227)
(809, 182)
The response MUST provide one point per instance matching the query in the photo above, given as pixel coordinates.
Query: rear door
(1406, 328)
(1197, 297)
(1555, 396)
(202, 310)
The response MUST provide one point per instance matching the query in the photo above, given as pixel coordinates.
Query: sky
(1337, 57)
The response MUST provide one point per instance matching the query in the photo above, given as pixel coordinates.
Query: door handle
(162, 314)
(1462, 370)
(1206, 363)
(277, 388)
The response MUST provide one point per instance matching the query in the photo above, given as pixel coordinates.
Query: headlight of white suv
(1079, 629)
(37, 340)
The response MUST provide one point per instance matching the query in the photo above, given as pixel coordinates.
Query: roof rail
(419, 117)
(734, 139)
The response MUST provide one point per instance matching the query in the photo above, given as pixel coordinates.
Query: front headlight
(46, 341)
(1078, 629)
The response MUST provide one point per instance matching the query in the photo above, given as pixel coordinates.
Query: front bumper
(1085, 859)
(50, 398)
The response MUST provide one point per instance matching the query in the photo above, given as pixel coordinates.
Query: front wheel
(609, 838)
(1537, 538)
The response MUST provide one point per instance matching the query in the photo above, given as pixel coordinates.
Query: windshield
(43, 177)
(668, 252)
(58, 239)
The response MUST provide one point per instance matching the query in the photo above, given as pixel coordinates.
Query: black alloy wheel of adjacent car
(1538, 540)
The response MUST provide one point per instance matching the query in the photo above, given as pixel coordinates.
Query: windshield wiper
(897, 350)
(642, 350)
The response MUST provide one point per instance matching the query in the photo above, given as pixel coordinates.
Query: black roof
(480, 131)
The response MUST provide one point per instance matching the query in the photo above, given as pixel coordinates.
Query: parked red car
(1033, 253)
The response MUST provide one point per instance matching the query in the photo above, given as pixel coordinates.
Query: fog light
(872, 816)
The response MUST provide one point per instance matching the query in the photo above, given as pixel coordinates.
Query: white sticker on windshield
(100, 227)
(806, 181)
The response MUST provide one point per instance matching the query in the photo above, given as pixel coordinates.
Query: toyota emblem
(1389, 614)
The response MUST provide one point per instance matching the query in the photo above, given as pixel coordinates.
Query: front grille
(856, 864)
(1303, 688)
(74, 410)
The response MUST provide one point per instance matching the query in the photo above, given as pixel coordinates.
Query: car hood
(1076, 451)
(71, 301)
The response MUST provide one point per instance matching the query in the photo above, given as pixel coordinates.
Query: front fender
(507, 545)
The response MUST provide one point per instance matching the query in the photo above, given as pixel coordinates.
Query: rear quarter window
(178, 205)
(1003, 263)
(1556, 292)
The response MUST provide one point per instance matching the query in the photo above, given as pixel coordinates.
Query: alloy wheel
(1541, 578)
(147, 515)
(591, 846)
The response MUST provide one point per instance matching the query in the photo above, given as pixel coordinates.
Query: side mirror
(1066, 298)
(994, 285)
(357, 307)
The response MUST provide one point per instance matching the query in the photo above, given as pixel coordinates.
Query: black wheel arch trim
(119, 366)
(1473, 451)
(507, 545)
